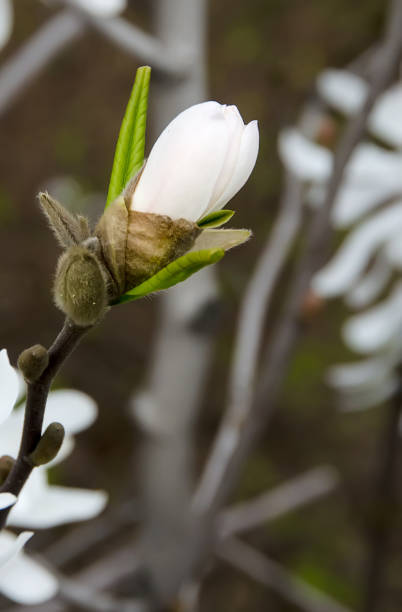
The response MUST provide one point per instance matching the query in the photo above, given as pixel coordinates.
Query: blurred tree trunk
(168, 407)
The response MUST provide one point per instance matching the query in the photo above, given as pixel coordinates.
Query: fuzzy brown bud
(49, 445)
(80, 288)
(32, 362)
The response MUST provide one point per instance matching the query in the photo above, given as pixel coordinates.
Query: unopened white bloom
(199, 162)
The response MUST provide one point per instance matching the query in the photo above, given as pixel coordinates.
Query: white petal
(340, 274)
(101, 8)
(41, 505)
(6, 22)
(371, 285)
(7, 499)
(386, 118)
(246, 159)
(22, 387)
(372, 330)
(372, 164)
(355, 199)
(372, 177)
(9, 386)
(361, 375)
(60, 505)
(184, 164)
(235, 127)
(75, 410)
(342, 90)
(10, 545)
(24, 580)
(220, 239)
(353, 402)
(10, 433)
(304, 158)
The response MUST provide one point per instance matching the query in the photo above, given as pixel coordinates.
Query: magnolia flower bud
(80, 288)
(199, 162)
(49, 444)
(32, 362)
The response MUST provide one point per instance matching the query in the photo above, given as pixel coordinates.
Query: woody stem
(37, 394)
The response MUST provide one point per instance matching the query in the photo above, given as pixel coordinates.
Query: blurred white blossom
(347, 92)
(369, 205)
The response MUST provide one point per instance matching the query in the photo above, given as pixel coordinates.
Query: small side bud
(80, 288)
(49, 445)
(32, 362)
(6, 464)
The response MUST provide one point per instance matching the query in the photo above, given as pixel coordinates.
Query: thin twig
(237, 435)
(38, 391)
(17, 73)
(271, 574)
(385, 509)
(284, 498)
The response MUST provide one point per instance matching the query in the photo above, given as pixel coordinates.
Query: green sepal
(216, 219)
(175, 272)
(130, 148)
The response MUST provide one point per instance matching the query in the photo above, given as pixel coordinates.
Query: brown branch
(37, 394)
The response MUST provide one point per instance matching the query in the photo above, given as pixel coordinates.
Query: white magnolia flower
(199, 162)
(39, 505)
(6, 22)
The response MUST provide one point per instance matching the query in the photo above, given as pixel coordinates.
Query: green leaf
(176, 272)
(129, 154)
(215, 219)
